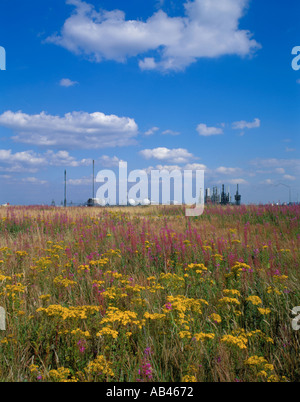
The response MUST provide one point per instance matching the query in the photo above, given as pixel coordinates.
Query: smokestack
(93, 179)
(65, 198)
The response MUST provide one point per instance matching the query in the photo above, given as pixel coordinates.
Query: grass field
(146, 294)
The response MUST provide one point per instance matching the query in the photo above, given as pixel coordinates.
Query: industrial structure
(221, 197)
(215, 197)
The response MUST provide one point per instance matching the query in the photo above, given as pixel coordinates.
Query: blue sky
(191, 84)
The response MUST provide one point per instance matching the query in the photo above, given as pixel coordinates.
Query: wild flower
(155, 316)
(189, 378)
(63, 282)
(204, 336)
(255, 300)
(108, 331)
(99, 367)
(239, 341)
(229, 301)
(264, 311)
(62, 374)
(145, 371)
(216, 318)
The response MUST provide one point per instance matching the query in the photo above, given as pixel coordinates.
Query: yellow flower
(155, 316)
(64, 282)
(264, 311)
(61, 375)
(255, 300)
(185, 334)
(81, 333)
(216, 317)
(20, 313)
(45, 297)
(99, 366)
(231, 292)
(239, 341)
(255, 361)
(229, 300)
(33, 368)
(21, 253)
(204, 336)
(189, 378)
(108, 331)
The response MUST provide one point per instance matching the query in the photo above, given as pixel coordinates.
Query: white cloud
(170, 168)
(170, 132)
(108, 161)
(268, 182)
(63, 158)
(84, 181)
(237, 181)
(289, 177)
(74, 130)
(228, 170)
(195, 166)
(31, 161)
(24, 157)
(233, 181)
(209, 28)
(33, 180)
(66, 82)
(241, 125)
(151, 131)
(276, 163)
(178, 155)
(280, 170)
(206, 131)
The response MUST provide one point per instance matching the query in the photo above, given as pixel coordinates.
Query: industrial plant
(222, 197)
(215, 196)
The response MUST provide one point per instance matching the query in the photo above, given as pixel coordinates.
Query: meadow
(146, 294)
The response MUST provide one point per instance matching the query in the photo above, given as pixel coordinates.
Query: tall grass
(146, 294)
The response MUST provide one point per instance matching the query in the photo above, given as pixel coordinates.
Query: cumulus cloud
(108, 161)
(233, 181)
(237, 181)
(66, 82)
(276, 163)
(228, 170)
(170, 168)
(178, 155)
(241, 125)
(195, 166)
(151, 131)
(33, 180)
(267, 181)
(170, 132)
(74, 130)
(206, 131)
(30, 161)
(84, 181)
(208, 28)
(289, 177)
